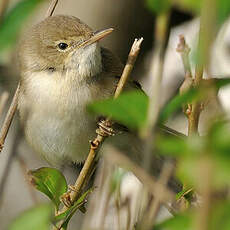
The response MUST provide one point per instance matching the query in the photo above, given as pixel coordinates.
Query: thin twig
(205, 187)
(24, 169)
(51, 8)
(129, 66)
(101, 135)
(9, 118)
(3, 7)
(3, 99)
(13, 152)
(154, 186)
(165, 175)
(188, 83)
(184, 51)
(156, 72)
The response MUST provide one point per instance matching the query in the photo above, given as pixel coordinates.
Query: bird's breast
(53, 110)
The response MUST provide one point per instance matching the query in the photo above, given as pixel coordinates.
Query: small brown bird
(63, 68)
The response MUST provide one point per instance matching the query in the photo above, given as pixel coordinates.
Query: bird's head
(60, 43)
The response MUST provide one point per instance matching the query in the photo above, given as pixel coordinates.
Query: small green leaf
(177, 102)
(193, 6)
(178, 222)
(172, 146)
(220, 216)
(223, 11)
(66, 216)
(49, 181)
(116, 179)
(130, 109)
(37, 218)
(14, 20)
(158, 6)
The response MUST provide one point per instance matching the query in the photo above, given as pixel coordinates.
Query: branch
(161, 197)
(184, 51)
(192, 111)
(101, 133)
(155, 73)
(129, 66)
(3, 99)
(156, 187)
(51, 8)
(9, 117)
(3, 6)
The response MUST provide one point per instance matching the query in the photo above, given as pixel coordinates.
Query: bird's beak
(97, 36)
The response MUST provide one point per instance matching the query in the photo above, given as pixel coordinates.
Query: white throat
(86, 61)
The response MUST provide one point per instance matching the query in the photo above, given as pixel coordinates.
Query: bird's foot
(105, 128)
(66, 197)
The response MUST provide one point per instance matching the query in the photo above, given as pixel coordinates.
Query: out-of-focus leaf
(178, 222)
(116, 179)
(158, 6)
(172, 146)
(130, 109)
(222, 8)
(66, 216)
(177, 102)
(37, 218)
(219, 148)
(14, 20)
(219, 136)
(193, 6)
(220, 216)
(223, 11)
(49, 181)
(221, 82)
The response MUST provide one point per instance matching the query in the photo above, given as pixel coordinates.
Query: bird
(63, 68)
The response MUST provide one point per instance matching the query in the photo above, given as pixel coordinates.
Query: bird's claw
(66, 198)
(105, 128)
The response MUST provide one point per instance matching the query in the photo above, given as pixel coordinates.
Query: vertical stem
(205, 186)
(156, 72)
(3, 6)
(9, 117)
(206, 37)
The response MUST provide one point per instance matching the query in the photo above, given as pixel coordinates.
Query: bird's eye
(62, 46)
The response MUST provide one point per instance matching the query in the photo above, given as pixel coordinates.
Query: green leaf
(223, 11)
(219, 136)
(37, 218)
(130, 109)
(177, 102)
(66, 216)
(193, 6)
(220, 216)
(172, 146)
(14, 20)
(116, 179)
(178, 222)
(49, 181)
(158, 6)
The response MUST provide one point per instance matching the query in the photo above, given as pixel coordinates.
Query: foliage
(14, 20)
(49, 181)
(37, 218)
(130, 108)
